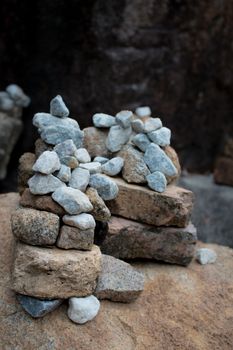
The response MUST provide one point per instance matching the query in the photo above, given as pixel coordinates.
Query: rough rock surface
(105, 186)
(47, 163)
(100, 210)
(206, 256)
(37, 307)
(127, 239)
(173, 207)
(25, 171)
(171, 153)
(118, 281)
(74, 238)
(54, 273)
(94, 142)
(117, 137)
(43, 184)
(180, 308)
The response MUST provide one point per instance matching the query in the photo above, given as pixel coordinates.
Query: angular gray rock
(101, 160)
(82, 221)
(152, 124)
(58, 107)
(137, 125)
(72, 200)
(35, 227)
(65, 148)
(134, 169)
(92, 167)
(100, 210)
(117, 137)
(206, 256)
(37, 307)
(82, 155)
(106, 188)
(79, 179)
(144, 111)
(70, 161)
(113, 166)
(157, 160)
(161, 137)
(118, 281)
(102, 120)
(64, 174)
(123, 118)
(141, 141)
(43, 184)
(73, 238)
(47, 163)
(54, 130)
(157, 181)
(82, 310)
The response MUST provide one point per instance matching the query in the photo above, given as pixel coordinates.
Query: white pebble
(82, 310)
(206, 256)
(143, 111)
(82, 221)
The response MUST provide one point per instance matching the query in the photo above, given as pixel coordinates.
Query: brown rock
(41, 203)
(171, 153)
(35, 227)
(41, 146)
(25, 171)
(223, 172)
(127, 239)
(170, 208)
(118, 281)
(94, 142)
(55, 273)
(100, 210)
(74, 238)
(177, 309)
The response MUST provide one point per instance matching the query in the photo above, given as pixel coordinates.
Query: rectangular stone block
(55, 273)
(170, 208)
(74, 238)
(127, 239)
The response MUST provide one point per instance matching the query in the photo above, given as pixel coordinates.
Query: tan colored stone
(74, 238)
(100, 210)
(41, 146)
(25, 171)
(55, 273)
(223, 171)
(171, 153)
(180, 308)
(94, 141)
(127, 239)
(173, 207)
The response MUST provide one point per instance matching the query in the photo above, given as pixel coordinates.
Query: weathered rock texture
(55, 273)
(74, 238)
(180, 308)
(25, 171)
(170, 208)
(127, 239)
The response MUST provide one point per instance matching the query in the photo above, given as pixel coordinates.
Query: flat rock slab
(177, 308)
(173, 207)
(55, 273)
(127, 239)
(118, 281)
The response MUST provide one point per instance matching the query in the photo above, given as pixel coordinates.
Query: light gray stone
(82, 221)
(82, 155)
(74, 238)
(117, 137)
(17, 94)
(79, 179)
(72, 200)
(123, 118)
(43, 184)
(137, 125)
(70, 161)
(157, 181)
(206, 256)
(47, 163)
(102, 120)
(58, 107)
(141, 141)
(118, 281)
(113, 166)
(82, 310)
(157, 160)
(152, 124)
(161, 136)
(64, 174)
(66, 148)
(101, 160)
(143, 111)
(92, 167)
(54, 130)
(37, 307)
(106, 188)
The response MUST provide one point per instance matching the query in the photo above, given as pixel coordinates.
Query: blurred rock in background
(223, 171)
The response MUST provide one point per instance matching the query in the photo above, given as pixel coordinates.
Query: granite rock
(82, 155)
(113, 166)
(206, 256)
(117, 137)
(124, 118)
(92, 167)
(65, 148)
(157, 160)
(141, 141)
(47, 163)
(75, 238)
(58, 107)
(95, 142)
(25, 171)
(43, 184)
(105, 186)
(157, 181)
(37, 307)
(118, 281)
(64, 174)
(100, 210)
(161, 137)
(101, 120)
(82, 310)
(79, 179)
(82, 221)
(152, 124)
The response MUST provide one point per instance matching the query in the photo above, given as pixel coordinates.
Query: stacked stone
(63, 194)
(152, 214)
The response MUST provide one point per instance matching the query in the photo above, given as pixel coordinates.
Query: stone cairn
(12, 102)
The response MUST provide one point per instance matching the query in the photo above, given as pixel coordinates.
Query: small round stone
(206, 256)
(157, 181)
(82, 310)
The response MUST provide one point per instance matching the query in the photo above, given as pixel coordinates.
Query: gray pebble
(58, 107)
(137, 125)
(161, 136)
(64, 174)
(141, 141)
(124, 118)
(92, 167)
(106, 188)
(66, 148)
(47, 163)
(79, 179)
(117, 137)
(70, 161)
(143, 112)
(157, 160)
(83, 221)
(152, 124)
(101, 160)
(37, 307)
(101, 120)
(113, 166)
(82, 155)
(82, 310)
(157, 181)
(206, 256)
(43, 184)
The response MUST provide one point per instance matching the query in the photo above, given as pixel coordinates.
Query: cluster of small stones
(72, 189)
(13, 97)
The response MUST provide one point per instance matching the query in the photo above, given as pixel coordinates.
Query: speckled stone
(117, 137)
(43, 184)
(141, 141)
(79, 179)
(157, 181)
(100, 210)
(58, 107)
(74, 238)
(47, 163)
(161, 136)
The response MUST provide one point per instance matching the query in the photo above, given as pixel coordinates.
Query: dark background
(108, 55)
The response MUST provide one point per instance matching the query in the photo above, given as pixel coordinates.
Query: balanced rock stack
(63, 196)
(151, 215)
